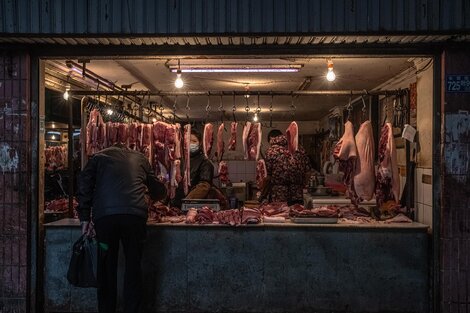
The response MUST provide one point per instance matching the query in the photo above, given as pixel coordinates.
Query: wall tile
(427, 194)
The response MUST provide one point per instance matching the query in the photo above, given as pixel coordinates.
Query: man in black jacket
(112, 190)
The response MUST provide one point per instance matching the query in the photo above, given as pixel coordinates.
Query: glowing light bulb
(66, 94)
(109, 112)
(53, 137)
(53, 125)
(330, 76)
(154, 120)
(179, 81)
(255, 117)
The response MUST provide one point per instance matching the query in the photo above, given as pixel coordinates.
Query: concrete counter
(263, 268)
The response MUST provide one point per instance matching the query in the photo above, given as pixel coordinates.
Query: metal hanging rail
(240, 93)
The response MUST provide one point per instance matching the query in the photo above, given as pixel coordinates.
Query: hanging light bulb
(154, 120)
(179, 81)
(255, 117)
(53, 125)
(66, 94)
(53, 137)
(330, 76)
(109, 112)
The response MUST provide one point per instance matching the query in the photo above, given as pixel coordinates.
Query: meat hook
(234, 108)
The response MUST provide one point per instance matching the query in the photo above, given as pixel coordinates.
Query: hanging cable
(247, 109)
(349, 107)
(174, 109)
(187, 108)
(160, 107)
(293, 107)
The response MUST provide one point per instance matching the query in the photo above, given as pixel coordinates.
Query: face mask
(193, 147)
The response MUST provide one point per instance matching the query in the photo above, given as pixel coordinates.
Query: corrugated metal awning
(238, 40)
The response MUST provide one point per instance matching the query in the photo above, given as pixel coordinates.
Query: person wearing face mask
(201, 173)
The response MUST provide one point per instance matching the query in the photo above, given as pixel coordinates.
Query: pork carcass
(345, 152)
(123, 133)
(111, 134)
(245, 135)
(96, 133)
(223, 172)
(208, 139)
(178, 141)
(187, 156)
(292, 134)
(387, 177)
(219, 153)
(160, 162)
(146, 141)
(261, 173)
(364, 172)
(133, 139)
(254, 141)
(175, 177)
(232, 144)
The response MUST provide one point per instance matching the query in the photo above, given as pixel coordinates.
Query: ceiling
(351, 74)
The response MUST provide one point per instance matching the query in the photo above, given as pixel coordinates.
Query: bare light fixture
(234, 68)
(179, 81)
(66, 93)
(109, 112)
(330, 76)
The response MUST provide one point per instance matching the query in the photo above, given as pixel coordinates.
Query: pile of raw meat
(56, 157)
(59, 205)
(355, 155)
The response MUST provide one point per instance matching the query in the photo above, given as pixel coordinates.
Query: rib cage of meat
(345, 152)
(254, 141)
(232, 145)
(220, 143)
(159, 139)
(208, 139)
(261, 173)
(186, 175)
(364, 172)
(292, 134)
(387, 176)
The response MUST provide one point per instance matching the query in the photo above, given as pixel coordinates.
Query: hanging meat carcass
(261, 173)
(254, 141)
(95, 133)
(134, 131)
(292, 134)
(345, 152)
(232, 145)
(223, 172)
(364, 172)
(387, 177)
(123, 133)
(208, 139)
(187, 156)
(175, 178)
(146, 141)
(159, 138)
(220, 143)
(111, 134)
(245, 135)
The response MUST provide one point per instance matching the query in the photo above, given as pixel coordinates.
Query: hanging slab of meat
(261, 173)
(208, 139)
(345, 152)
(219, 153)
(170, 142)
(133, 140)
(175, 178)
(146, 141)
(223, 172)
(364, 172)
(387, 179)
(178, 141)
(123, 133)
(159, 131)
(292, 134)
(254, 141)
(245, 135)
(96, 133)
(111, 134)
(232, 144)
(187, 165)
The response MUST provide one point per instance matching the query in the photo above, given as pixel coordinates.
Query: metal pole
(71, 179)
(239, 93)
(83, 154)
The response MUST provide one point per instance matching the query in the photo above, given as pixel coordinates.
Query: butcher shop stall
(357, 240)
